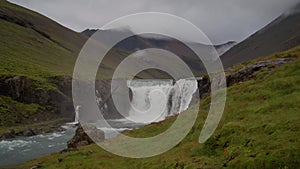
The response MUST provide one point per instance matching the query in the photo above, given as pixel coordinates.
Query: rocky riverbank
(28, 106)
(32, 130)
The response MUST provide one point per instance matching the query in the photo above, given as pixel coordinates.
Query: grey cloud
(221, 20)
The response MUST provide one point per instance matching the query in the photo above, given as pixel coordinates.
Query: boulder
(28, 132)
(8, 134)
(81, 137)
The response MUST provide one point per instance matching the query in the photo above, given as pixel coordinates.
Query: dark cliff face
(58, 101)
(106, 104)
(105, 92)
(24, 90)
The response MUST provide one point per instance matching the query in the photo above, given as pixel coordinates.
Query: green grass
(39, 48)
(25, 50)
(259, 129)
(13, 112)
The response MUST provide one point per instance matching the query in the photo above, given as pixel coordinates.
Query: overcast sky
(221, 20)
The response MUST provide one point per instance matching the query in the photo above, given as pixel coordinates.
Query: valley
(42, 125)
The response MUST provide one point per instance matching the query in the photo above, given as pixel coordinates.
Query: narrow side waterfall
(76, 120)
(154, 100)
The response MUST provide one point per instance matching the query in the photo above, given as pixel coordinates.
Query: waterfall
(154, 100)
(76, 120)
(183, 95)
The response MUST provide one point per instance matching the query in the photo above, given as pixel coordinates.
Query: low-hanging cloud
(221, 20)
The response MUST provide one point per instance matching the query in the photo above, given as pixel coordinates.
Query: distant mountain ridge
(136, 43)
(149, 41)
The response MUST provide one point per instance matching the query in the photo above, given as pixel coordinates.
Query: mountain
(223, 48)
(145, 41)
(281, 34)
(154, 40)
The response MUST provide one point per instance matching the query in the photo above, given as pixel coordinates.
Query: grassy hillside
(259, 129)
(41, 54)
(35, 46)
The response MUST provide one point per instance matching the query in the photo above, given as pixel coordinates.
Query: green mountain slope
(34, 52)
(259, 129)
(34, 45)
